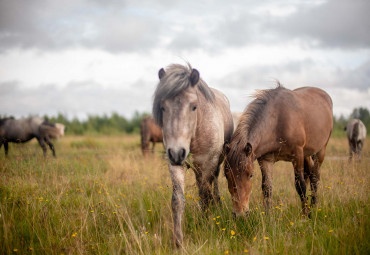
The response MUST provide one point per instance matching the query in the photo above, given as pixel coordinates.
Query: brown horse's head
(239, 173)
(175, 108)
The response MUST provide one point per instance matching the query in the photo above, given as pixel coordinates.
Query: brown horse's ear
(248, 149)
(161, 73)
(194, 77)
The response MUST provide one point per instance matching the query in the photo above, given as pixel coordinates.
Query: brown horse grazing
(279, 124)
(356, 134)
(23, 130)
(194, 119)
(150, 132)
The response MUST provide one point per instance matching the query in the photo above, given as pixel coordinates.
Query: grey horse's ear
(248, 149)
(345, 128)
(194, 77)
(161, 73)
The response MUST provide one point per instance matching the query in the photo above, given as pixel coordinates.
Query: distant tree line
(106, 124)
(116, 124)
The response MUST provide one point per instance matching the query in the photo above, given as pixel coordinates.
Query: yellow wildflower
(267, 238)
(232, 232)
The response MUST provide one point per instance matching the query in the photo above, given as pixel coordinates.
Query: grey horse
(356, 134)
(23, 130)
(195, 119)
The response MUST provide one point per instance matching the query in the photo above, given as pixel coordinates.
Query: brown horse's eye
(194, 108)
(250, 176)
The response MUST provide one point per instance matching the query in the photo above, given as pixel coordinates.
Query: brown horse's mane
(176, 80)
(251, 118)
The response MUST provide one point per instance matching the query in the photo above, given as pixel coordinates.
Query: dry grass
(101, 196)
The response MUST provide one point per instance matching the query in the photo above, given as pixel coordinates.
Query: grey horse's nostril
(182, 154)
(170, 156)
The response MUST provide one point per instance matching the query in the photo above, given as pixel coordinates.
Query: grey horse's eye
(162, 109)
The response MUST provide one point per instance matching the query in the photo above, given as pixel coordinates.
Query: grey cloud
(336, 23)
(76, 99)
(295, 74)
(46, 24)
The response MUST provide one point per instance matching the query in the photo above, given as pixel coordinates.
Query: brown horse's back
(317, 117)
(299, 118)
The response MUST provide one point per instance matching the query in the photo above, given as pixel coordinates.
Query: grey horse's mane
(251, 117)
(175, 81)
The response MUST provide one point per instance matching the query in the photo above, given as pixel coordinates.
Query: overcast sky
(81, 57)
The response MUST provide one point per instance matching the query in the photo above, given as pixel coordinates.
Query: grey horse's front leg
(178, 201)
(42, 144)
(6, 148)
(47, 140)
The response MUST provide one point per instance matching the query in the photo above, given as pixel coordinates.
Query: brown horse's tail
(144, 133)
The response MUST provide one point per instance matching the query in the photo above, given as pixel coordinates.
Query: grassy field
(100, 196)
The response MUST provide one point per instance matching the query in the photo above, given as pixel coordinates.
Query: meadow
(101, 196)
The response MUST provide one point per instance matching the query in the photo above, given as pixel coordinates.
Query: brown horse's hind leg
(315, 174)
(153, 147)
(266, 170)
(300, 184)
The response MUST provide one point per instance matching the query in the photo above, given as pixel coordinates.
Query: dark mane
(176, 80)
(48, 123)
(251, 118)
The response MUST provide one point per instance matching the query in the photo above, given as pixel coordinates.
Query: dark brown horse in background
(280, 124)
(23, 130)
(150, 133)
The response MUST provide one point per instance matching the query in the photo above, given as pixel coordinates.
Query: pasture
(101, 196)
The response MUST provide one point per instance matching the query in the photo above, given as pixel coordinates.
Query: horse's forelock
(176, 80)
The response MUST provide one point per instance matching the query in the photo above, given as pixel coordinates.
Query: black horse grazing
(23, 130)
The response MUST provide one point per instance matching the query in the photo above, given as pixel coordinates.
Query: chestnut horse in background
(149, 132)
(195, 119)
(279, 124)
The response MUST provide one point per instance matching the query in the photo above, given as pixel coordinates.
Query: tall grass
(100, 196)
